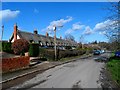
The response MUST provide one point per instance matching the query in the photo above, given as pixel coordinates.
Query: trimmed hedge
(10, 64)
(68, 47)
(50, 54)
(6, 47)
(70, 53)
(34, 50)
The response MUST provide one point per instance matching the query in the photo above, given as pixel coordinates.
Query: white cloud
(88, 31)
(58, 23)
(104, 25)
(102, 33)
(8, 14)
(75, 26)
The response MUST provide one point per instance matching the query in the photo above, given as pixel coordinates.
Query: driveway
(83, 73)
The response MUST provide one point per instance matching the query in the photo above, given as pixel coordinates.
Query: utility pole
(2, 32)
(54, 28)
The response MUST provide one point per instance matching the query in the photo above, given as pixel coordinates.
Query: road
(83, 73)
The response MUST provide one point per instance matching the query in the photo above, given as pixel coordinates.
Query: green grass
(73, 57)
(69, 58)
(114, 67)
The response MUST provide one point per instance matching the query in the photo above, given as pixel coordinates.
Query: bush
(20, 46)
(50, 54)
(70, 53)
(6, 47)
(34, 50)
(68, 47)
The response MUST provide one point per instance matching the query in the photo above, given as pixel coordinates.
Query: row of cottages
(43, 40)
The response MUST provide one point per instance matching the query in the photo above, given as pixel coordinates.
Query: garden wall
(11, 64)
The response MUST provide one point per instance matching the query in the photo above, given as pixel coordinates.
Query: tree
(20, 46)
(81, 39)
(95, 42)
(69, 37)
(113, 29)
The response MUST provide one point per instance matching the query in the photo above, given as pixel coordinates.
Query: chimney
(60, 37)
(35, 31)
(15, 32)
(47, 34)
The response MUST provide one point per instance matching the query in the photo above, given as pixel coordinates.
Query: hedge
(50, 54)
(34, 50)
(6, 47)
(9, 64)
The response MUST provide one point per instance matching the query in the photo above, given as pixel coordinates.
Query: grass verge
(114, 67)
(73, 57)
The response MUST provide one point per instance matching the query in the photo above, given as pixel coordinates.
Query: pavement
(80, 73)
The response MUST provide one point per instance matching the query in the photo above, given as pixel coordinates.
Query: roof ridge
(37, 34)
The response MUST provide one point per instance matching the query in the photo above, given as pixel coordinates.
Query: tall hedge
(6, 47)
(34, 50)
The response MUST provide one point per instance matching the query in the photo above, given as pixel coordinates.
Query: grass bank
(114, 67)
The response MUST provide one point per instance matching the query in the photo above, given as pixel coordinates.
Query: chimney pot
(60, 37)
(47, 34)
(35, 31)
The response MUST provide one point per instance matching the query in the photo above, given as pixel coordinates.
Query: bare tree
(81, 40)
(113, 29)
(69, 37)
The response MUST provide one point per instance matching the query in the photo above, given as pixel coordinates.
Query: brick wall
(10, 64)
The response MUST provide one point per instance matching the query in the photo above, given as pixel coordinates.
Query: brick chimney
(47, 34)
(15, 32)
(35, 31)
(60, 37)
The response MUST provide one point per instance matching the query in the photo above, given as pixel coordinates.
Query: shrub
(42, 52)
(20, 46)
(49, 54)
(34, 50)
(6, 47)
(68, 47)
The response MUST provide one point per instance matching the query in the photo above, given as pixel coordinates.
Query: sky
(80, 19)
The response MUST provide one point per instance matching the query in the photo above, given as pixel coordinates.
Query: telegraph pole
(54, 28)
(2, 32)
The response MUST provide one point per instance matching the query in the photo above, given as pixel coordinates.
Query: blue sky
(85, 19)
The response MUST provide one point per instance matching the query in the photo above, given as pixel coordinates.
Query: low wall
(11, 64)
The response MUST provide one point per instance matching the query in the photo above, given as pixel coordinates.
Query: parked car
(117, 54)
(96, 52)
(103, 51)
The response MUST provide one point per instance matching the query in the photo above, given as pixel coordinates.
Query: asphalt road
(83, 73)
